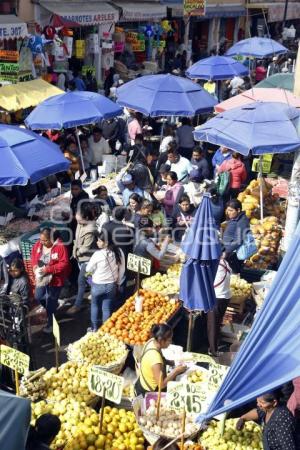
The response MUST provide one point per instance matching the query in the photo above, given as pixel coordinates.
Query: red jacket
(59, 265)
(237, 170)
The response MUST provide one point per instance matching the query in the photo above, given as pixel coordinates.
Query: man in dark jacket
(199, 162)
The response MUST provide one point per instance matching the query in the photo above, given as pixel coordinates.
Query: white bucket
(109, 164)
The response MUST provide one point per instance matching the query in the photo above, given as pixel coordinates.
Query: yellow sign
(56, 331)
(80, 49)
(14, 359)
(266, 163)
(194, 8)
(105, 383)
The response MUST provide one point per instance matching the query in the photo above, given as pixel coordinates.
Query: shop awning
(83, 13)
(26, 94)
(141, 11)
(224, 10)
(11, 27)
(276, 11)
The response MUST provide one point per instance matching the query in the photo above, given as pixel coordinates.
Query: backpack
(223, 182)
(248, 247)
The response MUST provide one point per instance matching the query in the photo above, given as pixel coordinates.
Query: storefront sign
(13, 30)
(16, 78)
(14, 359)
(194, 8)
(191, 396)
(92, 19)
(9, 55)
(100, 381)
(139, 264)
(6, 67)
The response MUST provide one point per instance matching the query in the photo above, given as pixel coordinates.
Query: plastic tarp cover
(15, 415)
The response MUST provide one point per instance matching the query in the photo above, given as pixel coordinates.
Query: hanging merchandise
(58, 49)
(68, 42)
(35, 43)
(49, 32)
(93, 44)
(107, 60)
(80, 49)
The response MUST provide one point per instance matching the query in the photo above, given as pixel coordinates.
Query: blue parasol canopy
(71, 109)
(217, 68)
(165, 95)
(260, 127)
(26, 156)
(257, 47)
(270, 354)
(202, 246)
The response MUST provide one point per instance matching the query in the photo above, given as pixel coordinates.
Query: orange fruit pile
(133, 327)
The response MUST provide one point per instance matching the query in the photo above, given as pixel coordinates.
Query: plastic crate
(26, 243)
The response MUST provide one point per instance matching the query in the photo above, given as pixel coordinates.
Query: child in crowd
(18, 281)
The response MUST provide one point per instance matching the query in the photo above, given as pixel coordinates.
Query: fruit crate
(27, 243)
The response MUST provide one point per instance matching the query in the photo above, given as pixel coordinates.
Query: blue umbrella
(71, 109)
(260, 127)
(165, 95)
(258, 47)
(26, 156)
(217, 68)
(202, 246)
(270, 355)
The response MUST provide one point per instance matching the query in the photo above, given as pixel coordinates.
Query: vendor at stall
(152, 367)
(7, 205)
(277, 421)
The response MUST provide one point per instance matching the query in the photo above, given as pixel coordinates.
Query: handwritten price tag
(14, 359)
(99, 379)
(191, 396)
(138, 264)
(216, 375)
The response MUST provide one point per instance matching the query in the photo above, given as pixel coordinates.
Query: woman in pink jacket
(173, 193)
(238, 172)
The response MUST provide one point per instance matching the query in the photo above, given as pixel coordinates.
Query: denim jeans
(103, 303)
(48, 296)
(81, 285)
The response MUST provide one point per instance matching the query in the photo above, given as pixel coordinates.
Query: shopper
(83, 248)
(107, 266)
(220, 156)
(223, 295)
(238, 173)
(180, 165)
(18, 281)
(169, 136)
(134, 126)
(217, 205)
(86, 154)
(40, 436)
(161, 178)
(277, 421)
(51, 266)
(98, 147)
(234, 234)
(72, 154)
(200, 163)
(145, 211)
(128, 186)
(174, 191)
(183, 215)
(79, 83)
(121, 235)
(195, 188)
(153, 365)
(107, 201)
(185, 138)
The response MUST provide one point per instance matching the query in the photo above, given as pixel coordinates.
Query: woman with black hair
(277, 421)
(217, 205)
(43, 433)
(153, 364)
(107, 266)
(108, 201)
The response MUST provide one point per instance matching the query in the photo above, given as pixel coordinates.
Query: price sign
(139, 264)
(191, 396)
(56, 331)
(14, 359)
(99, 381)
(199, 357)
(216, 375)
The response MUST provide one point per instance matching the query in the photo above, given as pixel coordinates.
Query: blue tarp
(257, 47)
(71, 109)
(270, 355)
(202, 246)
(216, 68)
(26, 156)
(165, 95)
(15, 415)
(260, 127)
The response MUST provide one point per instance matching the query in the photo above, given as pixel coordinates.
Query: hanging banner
(9, 55)
(194, 8)
(13, 30)
(68, 41)
(80, 49)
(93, 44)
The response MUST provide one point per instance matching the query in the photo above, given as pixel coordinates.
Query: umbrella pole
(261, 194)
(162, 130)
(190, 332)
(80, 150)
